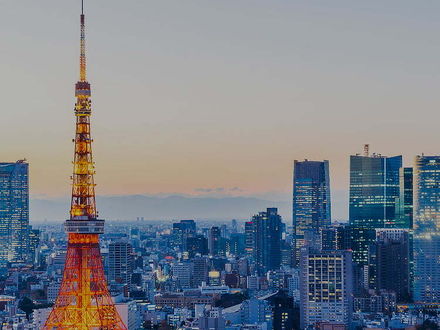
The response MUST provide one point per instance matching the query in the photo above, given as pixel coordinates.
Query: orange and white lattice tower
(83, 302)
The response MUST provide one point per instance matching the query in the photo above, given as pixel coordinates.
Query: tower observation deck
(83, 302)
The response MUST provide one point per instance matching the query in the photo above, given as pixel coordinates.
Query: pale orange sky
(193, 95)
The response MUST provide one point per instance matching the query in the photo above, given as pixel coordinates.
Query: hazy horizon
(174, 206)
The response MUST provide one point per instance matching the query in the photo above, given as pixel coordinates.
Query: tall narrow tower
(84, 302)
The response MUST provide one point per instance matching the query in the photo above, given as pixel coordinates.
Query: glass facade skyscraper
(374, 190)
(311, 208)
(14, 212)
(427, 229)
(268, 232)
(404, 219)
(392, 268)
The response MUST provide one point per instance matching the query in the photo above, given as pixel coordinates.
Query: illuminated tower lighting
(83, 302)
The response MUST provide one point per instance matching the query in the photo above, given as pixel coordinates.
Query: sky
(203, 97)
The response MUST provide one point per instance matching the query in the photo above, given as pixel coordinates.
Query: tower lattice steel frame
(84, 302)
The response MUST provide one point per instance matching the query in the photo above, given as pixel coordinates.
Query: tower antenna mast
(82, 59)
(84, 301)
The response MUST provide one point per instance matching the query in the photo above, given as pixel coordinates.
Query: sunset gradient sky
(208, 97)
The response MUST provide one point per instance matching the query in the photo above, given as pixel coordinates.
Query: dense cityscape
(378, 269)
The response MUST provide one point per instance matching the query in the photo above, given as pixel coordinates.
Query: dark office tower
(267, 240)
(405, 205)
(374, 190)
(120, 262)
(197, 245)
(427, 229)
(237, 244)
(329, 238)
(214, 241)
(393, 262)
(188, 226)
(250, 233)
(200, 273)
(34, 242)
(359, 241)
(286, 254)
(285, 314)
(311, 199)
(181, 231)
(14, 212)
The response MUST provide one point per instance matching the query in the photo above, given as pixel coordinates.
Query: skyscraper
(426, 229)
(34, 242)
(200, 273)
(214, 241)
(311, 199)
(326, 279)
(374, 190)
(236, 244)
(267, 252)
(181, 231)
(14, 212)
(405, 205)
(249, 229)
(120, 262)
(197, 244)
(359, 240)
(182, 273)
(393, 262)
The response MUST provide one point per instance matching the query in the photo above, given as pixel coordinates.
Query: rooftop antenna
(83, 45)
(366, 150)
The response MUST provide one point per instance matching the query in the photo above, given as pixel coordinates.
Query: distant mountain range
(130, 207)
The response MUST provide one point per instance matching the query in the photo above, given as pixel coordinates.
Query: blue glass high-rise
(426, 246)
(405, 204)
(311, 209)
(267, 240)
(14, 212)
(374, 190)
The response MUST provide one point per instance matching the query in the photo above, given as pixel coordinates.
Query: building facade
(200, 271)
(250, 237)
(405, 205)
(326, 279)
(268, 230)
(374, 190)
(393, 262)
(181, 231)
(311, 208)
(426, 247)
(120, 262)
(14, 212)
(197, 244)
(214, 241)
(182, 274)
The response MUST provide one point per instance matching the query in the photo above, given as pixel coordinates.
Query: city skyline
(316, 66)
(207, 135)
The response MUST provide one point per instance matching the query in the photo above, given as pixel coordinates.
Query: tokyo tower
(84, 302)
